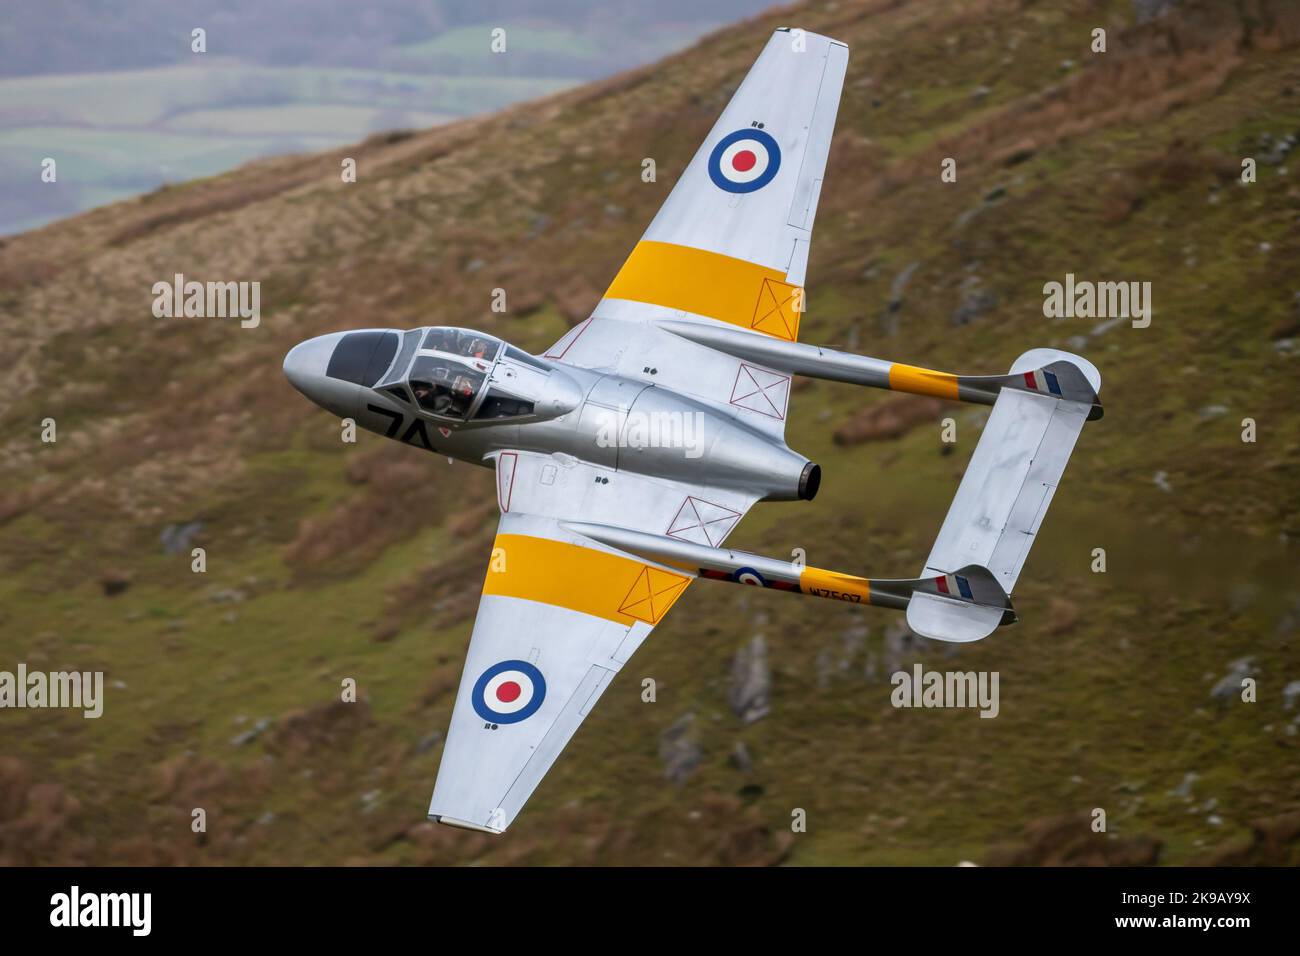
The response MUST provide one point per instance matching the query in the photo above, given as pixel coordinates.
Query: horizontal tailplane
(1009, 483)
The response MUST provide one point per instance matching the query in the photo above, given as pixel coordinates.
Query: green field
(114, 135)
(125, 132)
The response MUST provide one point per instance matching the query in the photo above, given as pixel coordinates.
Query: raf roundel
(744, 161)
(508, 692)
(749, 576)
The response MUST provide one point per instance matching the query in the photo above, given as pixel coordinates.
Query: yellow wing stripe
(922, 381)
(832, 584)
(598, 583)
(710, 284)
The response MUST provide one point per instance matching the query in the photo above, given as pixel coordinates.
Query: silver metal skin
(817, 361)
(305, 366)
(684, 554)
(799, 359)
(626, 454)
(577, 412)
(743, 567)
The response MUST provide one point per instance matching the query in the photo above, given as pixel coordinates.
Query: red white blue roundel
(744, 161)
(508, 692)
(749, 576)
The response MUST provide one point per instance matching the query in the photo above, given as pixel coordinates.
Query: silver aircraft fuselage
(468, 395)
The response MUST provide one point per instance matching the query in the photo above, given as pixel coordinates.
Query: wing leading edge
(559, 616)
(560, 612)
(729, 247)
(731, 241)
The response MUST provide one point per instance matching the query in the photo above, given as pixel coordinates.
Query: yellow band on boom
(922, 381)
(832, 584)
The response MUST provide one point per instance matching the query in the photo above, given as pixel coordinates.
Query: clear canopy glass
(444, 386)
(451, 382)
(463, 342)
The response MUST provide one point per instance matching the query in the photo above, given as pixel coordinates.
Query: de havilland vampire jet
(602, 531)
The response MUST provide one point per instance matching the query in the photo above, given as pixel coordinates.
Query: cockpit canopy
(463, 342)
(453, 374)
(444, 386)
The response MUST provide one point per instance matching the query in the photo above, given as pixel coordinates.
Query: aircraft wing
(559, 616)
(730, 245)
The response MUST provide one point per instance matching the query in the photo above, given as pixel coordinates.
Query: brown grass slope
(328, 561)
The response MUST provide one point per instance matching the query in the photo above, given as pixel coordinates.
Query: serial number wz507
(837, 595)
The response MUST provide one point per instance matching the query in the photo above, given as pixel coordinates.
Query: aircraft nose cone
(306, 363)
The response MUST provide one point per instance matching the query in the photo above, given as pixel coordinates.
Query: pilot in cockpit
(443, 340)
(423, 391)
(460, 342)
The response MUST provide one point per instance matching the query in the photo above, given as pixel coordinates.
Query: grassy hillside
(328, 561)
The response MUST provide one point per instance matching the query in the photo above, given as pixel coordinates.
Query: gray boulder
(751, 682)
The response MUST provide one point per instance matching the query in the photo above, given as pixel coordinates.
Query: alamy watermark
(683, 430)
(75, 908)
(922, 688)
(208, 300)
(1084, 299)
(78, 690)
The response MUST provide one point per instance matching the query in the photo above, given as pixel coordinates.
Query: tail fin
(962, 606)
(1008, 486)
(1047, 372)
(966, 605)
